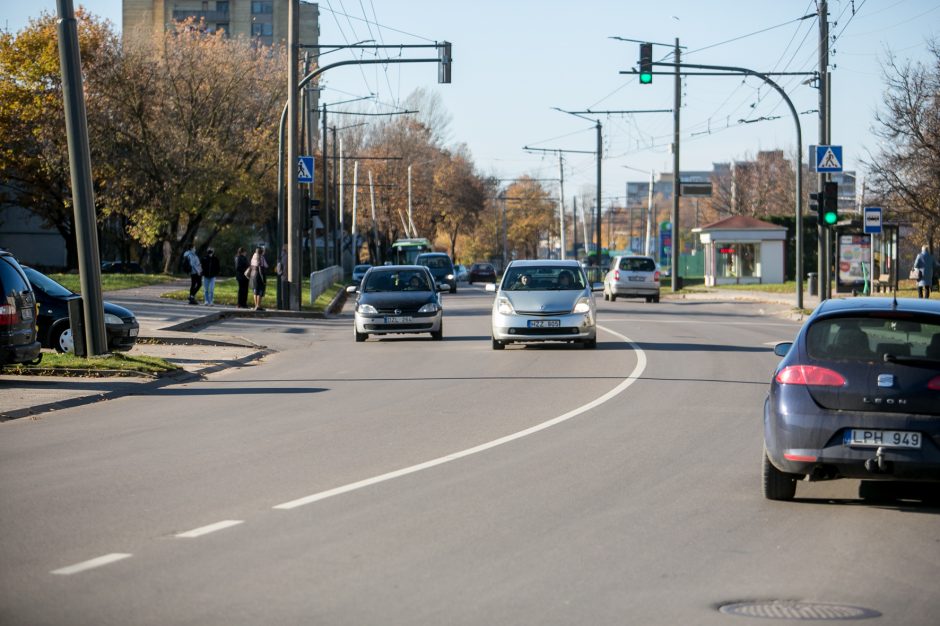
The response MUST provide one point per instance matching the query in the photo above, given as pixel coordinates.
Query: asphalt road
(406, 481)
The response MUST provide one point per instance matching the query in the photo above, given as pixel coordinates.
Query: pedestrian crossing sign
(828, 159)
(305, 169)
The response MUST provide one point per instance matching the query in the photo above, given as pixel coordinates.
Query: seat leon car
(18, 342)
(857, 395)
(396, 299)
(543, 300)
(55, 331)
(632, 276)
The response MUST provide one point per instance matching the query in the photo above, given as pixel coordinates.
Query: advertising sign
(853, 251)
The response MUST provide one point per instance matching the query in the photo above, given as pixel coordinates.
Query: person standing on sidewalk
(926, 265)
(191, 259)
(210, 269)
(241, 267)
(257, 281)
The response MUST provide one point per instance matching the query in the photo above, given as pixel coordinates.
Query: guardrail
(321, 280)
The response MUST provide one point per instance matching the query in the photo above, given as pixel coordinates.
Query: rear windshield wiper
(914, 361)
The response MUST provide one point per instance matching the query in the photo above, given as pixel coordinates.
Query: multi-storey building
(264, 21)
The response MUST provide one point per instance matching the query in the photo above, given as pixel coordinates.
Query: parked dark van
(18, 343)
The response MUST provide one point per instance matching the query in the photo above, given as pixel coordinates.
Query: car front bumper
(382, 324)
(519, 327)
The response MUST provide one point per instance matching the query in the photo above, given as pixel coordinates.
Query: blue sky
(516, 59)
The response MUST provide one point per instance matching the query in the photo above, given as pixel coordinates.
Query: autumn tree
(191, 135)
(34, 162)
(530, 214)
(459, 196)
(905, 173)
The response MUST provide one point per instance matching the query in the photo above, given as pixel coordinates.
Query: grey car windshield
(871, 338)
(543, 279)
(404, 280)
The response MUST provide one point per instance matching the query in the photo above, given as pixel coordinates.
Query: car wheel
(656, 299)
(777, 485)
(453, 289)
(590, 344)
(613, 297)
(498, 345)
(606, 296)
(360, 336)
(62, 340)
(439, 334)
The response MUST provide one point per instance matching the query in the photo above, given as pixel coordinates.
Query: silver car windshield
(548, 278)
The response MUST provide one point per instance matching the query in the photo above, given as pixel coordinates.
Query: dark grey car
(857, 395)
(18, 343)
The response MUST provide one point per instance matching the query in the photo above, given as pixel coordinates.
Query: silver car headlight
(504, 306)
(430, 307)
(367, 309)
(583, 305)
(111, 318)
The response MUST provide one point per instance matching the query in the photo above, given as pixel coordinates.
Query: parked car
(632, 276)
(55, 330)
(398, 299)
(18, 341)
(460, 271)
(857, 395)
(121, 267)
(442, 268)
(359, 271)
(543, 301)
(481, 273)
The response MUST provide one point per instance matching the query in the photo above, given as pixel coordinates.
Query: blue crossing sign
(305, 169)
(828, 159)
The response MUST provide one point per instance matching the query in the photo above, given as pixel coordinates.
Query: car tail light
(616, 274)
(656, 276)
(934, 383)
(810, 375)
(8, 315)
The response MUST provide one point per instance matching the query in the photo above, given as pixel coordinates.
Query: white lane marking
(653, 320)
(211, 528)
(91, 564)
(629, 380)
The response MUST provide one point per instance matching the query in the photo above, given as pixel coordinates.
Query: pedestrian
(242, 267)
(926, 266)
(257, 276)
(191, 261)
(210, 269)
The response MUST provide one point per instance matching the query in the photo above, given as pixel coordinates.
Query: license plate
(638, 279)
(544, 323)
(133, 332)
(882, 438)
(27, 314)
(398, 319)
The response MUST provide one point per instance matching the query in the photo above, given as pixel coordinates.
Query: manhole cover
(790, 609)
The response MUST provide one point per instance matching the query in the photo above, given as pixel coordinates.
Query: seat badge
(886, 380)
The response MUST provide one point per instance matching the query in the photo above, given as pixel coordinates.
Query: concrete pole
(821, 230)
(353, 228)
(83, 196)
(677, 107)
(649, 217)
(600, 155)
(341, 219)
(294, 217)
(561, 217)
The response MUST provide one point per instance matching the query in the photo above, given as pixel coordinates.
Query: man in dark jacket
(210, 269)
(241, 266)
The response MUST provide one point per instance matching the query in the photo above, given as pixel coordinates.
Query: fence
(321, 280)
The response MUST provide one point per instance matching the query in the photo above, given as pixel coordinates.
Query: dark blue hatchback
(857, 395)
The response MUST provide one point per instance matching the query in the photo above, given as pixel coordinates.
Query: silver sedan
(543, 300)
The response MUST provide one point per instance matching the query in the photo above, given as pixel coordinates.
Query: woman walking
(926, 265)
(257, 280)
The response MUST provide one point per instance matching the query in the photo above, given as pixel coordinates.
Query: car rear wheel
(361, 336)
(656, 299)
(498, 345)
(62, 340)
(777, 485)
(613, 297)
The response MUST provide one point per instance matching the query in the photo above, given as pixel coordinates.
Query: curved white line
(629, 380)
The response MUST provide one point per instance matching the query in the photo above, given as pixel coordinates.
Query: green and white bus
(406, 251)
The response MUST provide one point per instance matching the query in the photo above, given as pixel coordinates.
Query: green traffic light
(646, 79)
(830, 217)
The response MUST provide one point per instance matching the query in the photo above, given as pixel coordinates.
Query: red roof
(742, 222)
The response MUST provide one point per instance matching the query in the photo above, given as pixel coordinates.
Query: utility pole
(822, 231)
(676, 280)
(294, 221)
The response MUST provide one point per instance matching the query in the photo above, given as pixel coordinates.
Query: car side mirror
(352, 288)
(781, 349)
(443, 287)
(490, 286)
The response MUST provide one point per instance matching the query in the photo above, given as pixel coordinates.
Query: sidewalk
(169, 329)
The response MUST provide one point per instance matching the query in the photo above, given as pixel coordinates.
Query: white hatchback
(632, 276)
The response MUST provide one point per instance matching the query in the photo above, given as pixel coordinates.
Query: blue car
(857, 395)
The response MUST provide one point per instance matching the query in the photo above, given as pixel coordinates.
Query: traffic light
(815, 205)
(830, 203)
(646, 63)
(443, 66)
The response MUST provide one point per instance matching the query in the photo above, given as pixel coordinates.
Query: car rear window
(633, 264)
(12, 282)
(870, 338)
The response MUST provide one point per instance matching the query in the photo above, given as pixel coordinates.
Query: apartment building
(264, 21)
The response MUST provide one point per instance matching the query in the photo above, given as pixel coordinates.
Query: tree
(530, 215)
(192, 135)
(905, 173)
(459, 196)
(34, 162)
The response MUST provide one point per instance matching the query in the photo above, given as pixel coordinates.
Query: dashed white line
(211, 528)
(629, 380)
(91, 563)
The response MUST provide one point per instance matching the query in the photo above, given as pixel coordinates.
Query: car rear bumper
(626, 291)
(20, 353)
